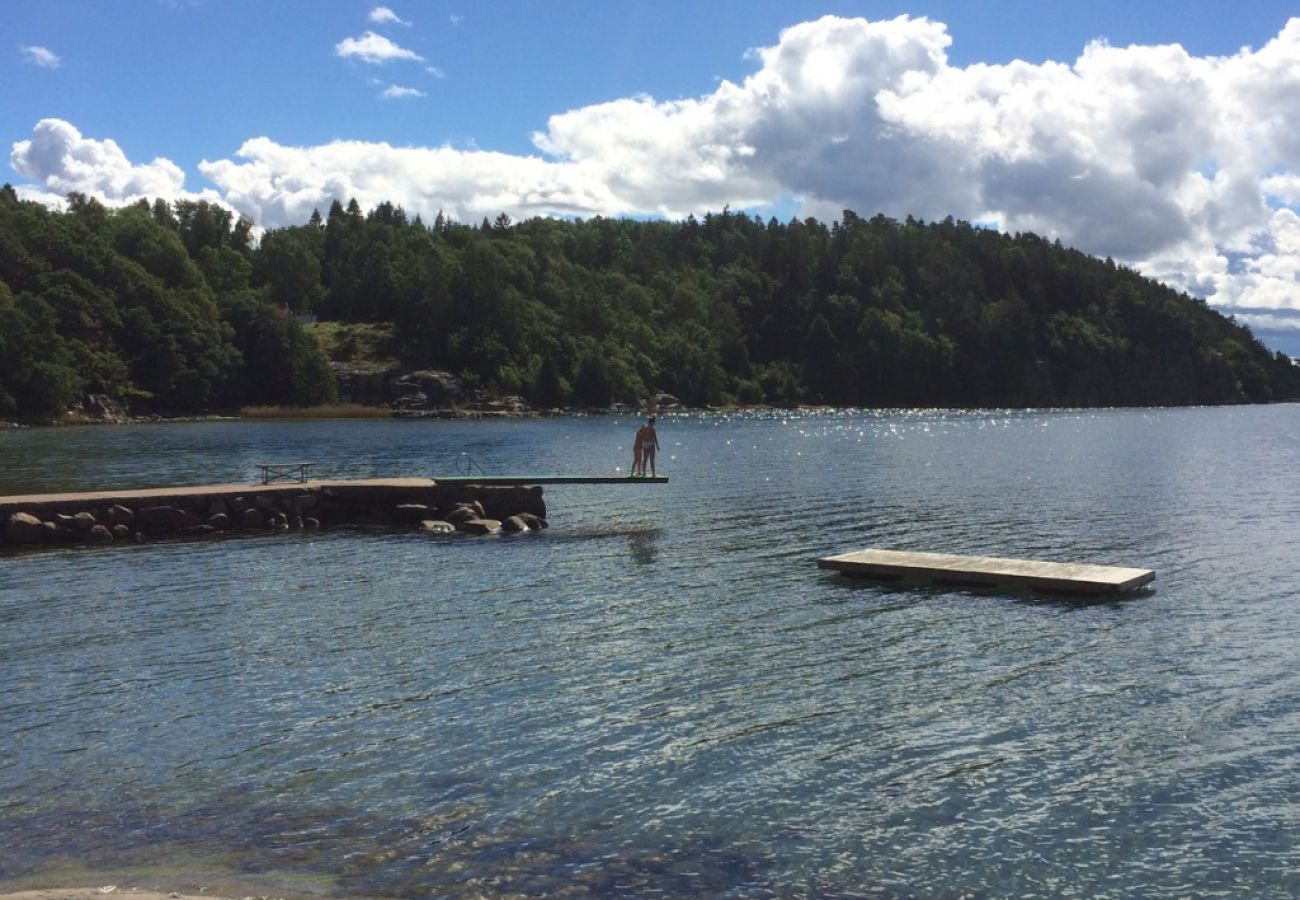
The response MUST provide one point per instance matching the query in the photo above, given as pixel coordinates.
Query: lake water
(662, 693)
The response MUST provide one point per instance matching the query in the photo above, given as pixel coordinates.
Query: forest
(179, 309)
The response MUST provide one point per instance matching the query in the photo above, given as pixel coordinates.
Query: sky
(1165, 135)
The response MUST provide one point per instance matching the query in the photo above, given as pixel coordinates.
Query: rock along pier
(471, 505)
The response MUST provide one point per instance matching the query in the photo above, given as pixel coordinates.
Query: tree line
(177, 309)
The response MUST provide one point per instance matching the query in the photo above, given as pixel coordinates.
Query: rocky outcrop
(98, 408)
(425, 389)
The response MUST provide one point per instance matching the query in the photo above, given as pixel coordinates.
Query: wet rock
(407, 513)
(119, 515)
(480, 526)
(184, 520)
(121, 532)
(100, 534)
(220, 521)
(514, 523)
(436, 526)
(217, 507)
(311, 522)
(155, 518)
(251, 518)
(463, 514)
(23, 528)
(535, 522)
(238, 505)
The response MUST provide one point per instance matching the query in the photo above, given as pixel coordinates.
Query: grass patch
(324, 411)
(365, 345)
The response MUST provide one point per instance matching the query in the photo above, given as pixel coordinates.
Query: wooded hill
(175, 309)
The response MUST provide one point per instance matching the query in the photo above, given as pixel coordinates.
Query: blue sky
(624, 107)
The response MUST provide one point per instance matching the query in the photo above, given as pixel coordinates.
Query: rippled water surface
(662, 693)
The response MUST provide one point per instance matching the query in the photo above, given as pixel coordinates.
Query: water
(662, 694)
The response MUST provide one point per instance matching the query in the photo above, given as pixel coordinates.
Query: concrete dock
(482, 504)
(949, 568)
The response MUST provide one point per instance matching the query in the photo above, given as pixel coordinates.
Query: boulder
(280, 522)
(409, 513)
(121, 532)
(184, 520)
(238, 505)
(100, 535)
(480, 526)
(220, 521)
(23, 528)
(436, 526)
(295, 521)
(463, 514)
(217, 507)
(119, 515)
(311, 522)
(536, 523)
(155, 518)
(514, 523)
(251, 518)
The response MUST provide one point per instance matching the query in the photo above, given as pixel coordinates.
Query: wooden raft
(950, 568)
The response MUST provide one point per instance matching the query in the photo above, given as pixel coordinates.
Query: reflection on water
(661, 693)
(644, 546)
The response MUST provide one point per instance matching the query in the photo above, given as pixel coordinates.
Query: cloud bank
(1186, 167)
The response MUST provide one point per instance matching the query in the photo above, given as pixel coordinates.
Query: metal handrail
(465, 465)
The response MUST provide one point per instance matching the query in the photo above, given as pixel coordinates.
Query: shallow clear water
(662, 693)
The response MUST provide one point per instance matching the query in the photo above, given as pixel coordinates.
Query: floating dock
(982, 571)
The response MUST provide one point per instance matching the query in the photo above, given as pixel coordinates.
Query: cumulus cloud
(39, 56)
(1186, 167)
(396, 92)
(278, 185)
(382, 15)
(374, 49)
(60, 160)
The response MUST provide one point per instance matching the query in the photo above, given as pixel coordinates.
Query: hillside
(174, 309)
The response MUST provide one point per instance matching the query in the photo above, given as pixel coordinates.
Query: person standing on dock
(646, 445)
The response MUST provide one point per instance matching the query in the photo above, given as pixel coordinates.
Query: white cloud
(382, 15)
(61, 161)
(279, 185)
(374, 49)
(455, 19)
(1183, 166)
(39, 56)
(396, 92)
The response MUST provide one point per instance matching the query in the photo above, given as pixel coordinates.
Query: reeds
(323, 411)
